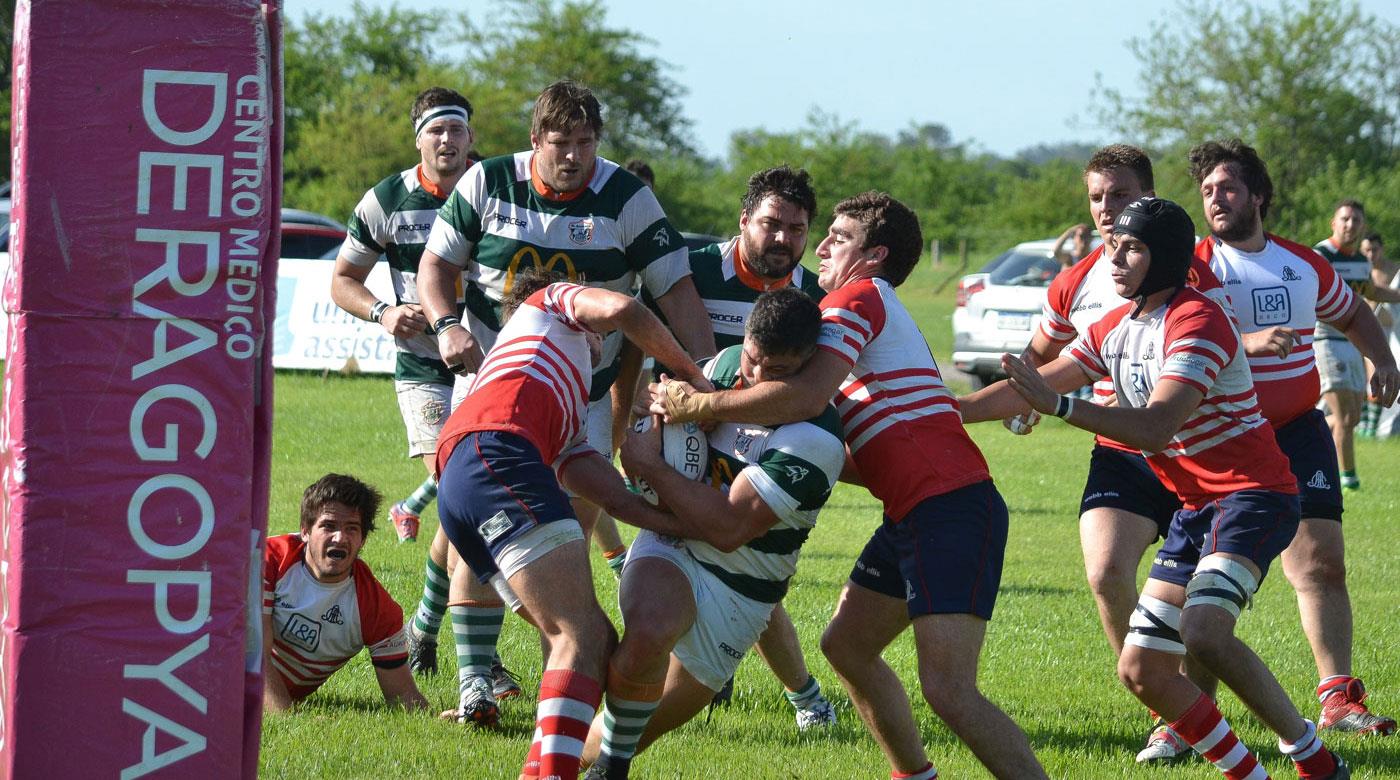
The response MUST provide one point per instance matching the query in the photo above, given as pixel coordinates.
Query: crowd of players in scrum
(528, 285)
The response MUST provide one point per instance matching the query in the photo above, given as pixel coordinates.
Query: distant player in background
(1340, 367)
(1383, 274)
(501, 502)
(698, 590)
(1279, 291)
(322, 604)
(1184, 397)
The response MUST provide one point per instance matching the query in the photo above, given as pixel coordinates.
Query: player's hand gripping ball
(684, 447)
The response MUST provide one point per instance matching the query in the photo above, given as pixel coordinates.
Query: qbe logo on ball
(683, 446)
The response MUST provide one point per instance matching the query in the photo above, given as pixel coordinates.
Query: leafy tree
(1303, 85)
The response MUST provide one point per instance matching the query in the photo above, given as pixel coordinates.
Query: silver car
(998, 308)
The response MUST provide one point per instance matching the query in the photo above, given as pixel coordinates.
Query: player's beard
(1241, 226)
(775, 264)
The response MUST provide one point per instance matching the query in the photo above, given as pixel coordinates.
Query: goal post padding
(137, 395)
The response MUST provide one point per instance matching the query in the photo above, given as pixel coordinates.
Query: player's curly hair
(890, 224)
(793, 186)
(1122, 156)
(528, 281)
(565, 106)
(785, 321)
(1210, 155)
(342, 489)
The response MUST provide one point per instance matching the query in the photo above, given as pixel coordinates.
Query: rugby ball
(684, 446)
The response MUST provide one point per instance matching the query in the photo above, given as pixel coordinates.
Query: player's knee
(1322, 570)
(1153, 645)
(838, 649)
(950, 696)
(1109, 580)
(1142, 672)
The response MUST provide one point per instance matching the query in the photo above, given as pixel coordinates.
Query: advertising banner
(137, 394)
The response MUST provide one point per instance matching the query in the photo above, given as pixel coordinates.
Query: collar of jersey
(749, 278)
(431, 187)
(549, 192)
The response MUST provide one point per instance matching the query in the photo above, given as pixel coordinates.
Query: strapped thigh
(1156, 625)
(1222, 582)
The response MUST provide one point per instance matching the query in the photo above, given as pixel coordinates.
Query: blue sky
(1001, 74)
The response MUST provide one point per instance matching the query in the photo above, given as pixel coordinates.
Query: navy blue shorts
(1123, 480)
(944, 557)
(1312, 455)
(1257, 524)
(492, 489)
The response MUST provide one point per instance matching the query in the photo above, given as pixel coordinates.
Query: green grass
(1045, 662)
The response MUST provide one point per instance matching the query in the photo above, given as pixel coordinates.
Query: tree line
(1314, 85)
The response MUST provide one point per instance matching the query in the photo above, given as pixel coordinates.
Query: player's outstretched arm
(593, 477)
(801, 396)
(999, 401)
(604, 310)
(1149, 428)
(724, 521)
(399, 688)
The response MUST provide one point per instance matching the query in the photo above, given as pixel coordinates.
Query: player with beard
(322, 604)
(1187, 400)
(766, 255)
(1279, 291)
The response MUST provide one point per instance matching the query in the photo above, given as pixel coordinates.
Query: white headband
(440, 112)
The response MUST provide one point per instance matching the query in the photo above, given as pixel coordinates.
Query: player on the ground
(557, 206)
(1124, 507)
(1340, 367)
(935, 562)
(1279, 290)
(774, 218)
(1185, 397)
(698, 590)
(521, 431)
(321, 603)
(392, 220)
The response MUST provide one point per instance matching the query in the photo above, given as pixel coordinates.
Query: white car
(998, 308)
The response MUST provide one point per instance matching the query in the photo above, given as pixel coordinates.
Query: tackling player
(560, 207)
(1186, 399)
(519, 431)
(697, 603)
(1279, 290)
(322, 604)
(935, 561)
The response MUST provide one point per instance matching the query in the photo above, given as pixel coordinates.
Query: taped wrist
(686, 408)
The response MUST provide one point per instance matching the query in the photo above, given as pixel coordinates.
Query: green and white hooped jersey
(393, 219)
(793, 467)
(727, 298)
(615, 232)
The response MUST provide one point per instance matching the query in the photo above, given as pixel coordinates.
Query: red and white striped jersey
(1081, 295)
(1284, 284)
(901, 422)
(534, 382)
(318, 627)
(1225, 445)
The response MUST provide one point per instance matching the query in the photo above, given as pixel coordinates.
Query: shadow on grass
(1020, 589)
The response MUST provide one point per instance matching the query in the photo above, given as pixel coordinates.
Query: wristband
(376, 312)
(1066, 406)
(445, 323)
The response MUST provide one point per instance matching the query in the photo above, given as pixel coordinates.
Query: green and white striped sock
(421, 497)
(433, 605)
(476, 629)
(805, 696)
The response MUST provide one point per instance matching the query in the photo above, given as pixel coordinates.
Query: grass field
(1045, 662)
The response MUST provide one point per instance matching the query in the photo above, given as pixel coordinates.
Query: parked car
(694, 241)
(998, 308)
(311, 236)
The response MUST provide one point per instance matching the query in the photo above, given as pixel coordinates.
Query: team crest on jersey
(742, 443)
(1150, 354)
(796, 473)
(1289, 275)
(1319, 481)
(581, 231)
(661, 239)
(1193, 279)
(333, 615)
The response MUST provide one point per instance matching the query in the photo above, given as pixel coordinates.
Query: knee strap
(1156, 625)
(1222, 582)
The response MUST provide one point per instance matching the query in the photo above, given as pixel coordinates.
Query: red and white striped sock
(1309, 756)
(532, 759)
(567, 703)
(1205, 728)
(927, 773)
